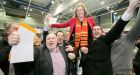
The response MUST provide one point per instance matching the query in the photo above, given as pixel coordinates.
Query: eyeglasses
(80, 10)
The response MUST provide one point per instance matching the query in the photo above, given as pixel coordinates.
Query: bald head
(51, 41)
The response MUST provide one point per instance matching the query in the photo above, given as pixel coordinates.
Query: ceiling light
(4, 2)
(102, 2)
(115, 13)
(112, 11)
(29, 15)
(25, 8)
(52, 2)
(30, 9)
(108, 7)
(42, 12)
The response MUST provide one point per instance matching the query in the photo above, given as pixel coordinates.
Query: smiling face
(51, 41)
(60, 37)
(80, 12)
(97, 31)
(37, 39)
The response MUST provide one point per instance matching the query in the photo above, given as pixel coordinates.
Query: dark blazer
(4, 50)
(136, 60)
(44, 64)
(98, 59)
(4, 54)
(72, 22)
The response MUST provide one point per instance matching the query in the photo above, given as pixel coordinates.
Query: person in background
(68, 47)
(5, 47)
(98, 59)
(136, 61)
(38, 39)
(60, 38)
(62, 41)
(122, 53)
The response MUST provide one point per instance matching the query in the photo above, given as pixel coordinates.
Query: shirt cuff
(127, 16)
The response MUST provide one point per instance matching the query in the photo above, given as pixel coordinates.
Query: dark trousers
(136, 69)
(73, 67)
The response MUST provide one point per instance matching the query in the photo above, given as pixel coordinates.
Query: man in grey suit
(122, 50)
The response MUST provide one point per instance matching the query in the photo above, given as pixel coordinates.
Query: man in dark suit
(53, 59)
(5, 47)
(98, 58)
(49, 60)
(4, 52)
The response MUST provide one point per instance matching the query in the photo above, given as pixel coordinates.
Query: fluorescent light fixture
(42, 12)
(4, 2)
(102, 2)
(29, 15)
(52, 2)
(59, 9)
(115, 13)
(31, 10)
(112, 11)
(25, 8)
(108, 7)
(71, 9)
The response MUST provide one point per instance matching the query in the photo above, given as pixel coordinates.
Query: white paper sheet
(23, 52)
(53, 20)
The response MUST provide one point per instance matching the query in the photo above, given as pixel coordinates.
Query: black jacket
(4, 54)
(98, 59)
(42, 64)
(136, 60)
(137, 57)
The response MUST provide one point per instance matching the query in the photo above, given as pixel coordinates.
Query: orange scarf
(81, 34)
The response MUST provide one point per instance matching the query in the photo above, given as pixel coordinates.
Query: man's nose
(51, 39)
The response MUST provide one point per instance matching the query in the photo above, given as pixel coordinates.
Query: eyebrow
(79, 9)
